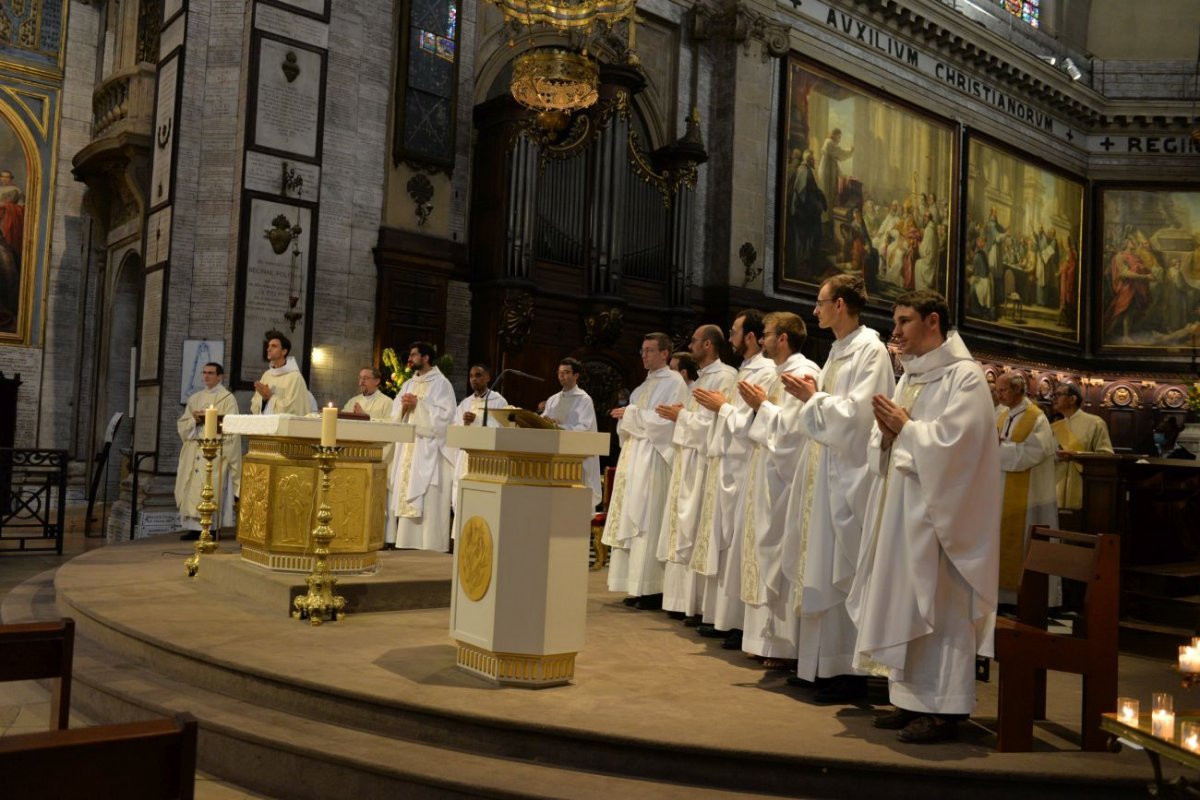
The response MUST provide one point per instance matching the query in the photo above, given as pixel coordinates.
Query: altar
(277, 509)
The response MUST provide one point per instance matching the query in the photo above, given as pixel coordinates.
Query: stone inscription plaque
(289, 98)
(158, 237)
(283, 23)
(264, 173)
(164, 132)
(272, 279)
(152, 304)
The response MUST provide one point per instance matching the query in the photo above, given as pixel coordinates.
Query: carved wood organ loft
(580, 239)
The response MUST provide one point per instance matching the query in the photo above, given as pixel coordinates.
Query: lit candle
(329, 426)
(1189, 736)
(210, 423)
(1127, 710)
(1189, 659)
(1162, 718)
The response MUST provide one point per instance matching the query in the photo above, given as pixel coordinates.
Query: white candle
(1189, 736)
(329, 426)
(1189, 659)
(1127, 710)
(1162, 724)
(210, 423)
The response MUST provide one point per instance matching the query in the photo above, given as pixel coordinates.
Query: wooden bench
(1025, 649)
(40, 650)
(153, 760)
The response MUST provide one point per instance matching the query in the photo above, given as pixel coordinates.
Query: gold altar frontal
(277, 510)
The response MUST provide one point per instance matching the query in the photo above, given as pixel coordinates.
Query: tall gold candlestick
(206, 507)
(321, 603)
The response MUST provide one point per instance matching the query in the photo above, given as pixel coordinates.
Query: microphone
(496, 383)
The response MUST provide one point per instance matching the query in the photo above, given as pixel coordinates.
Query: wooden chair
(1025, 649)
(599, 519)
(39, 650)
(135, 761)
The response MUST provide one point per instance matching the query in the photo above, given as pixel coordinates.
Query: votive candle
(1162, 717)
(1127, 710)
(210, 423)
(1189, 736)
(1189, 659)
(329, 426)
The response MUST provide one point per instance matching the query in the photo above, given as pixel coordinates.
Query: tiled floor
(25, 706)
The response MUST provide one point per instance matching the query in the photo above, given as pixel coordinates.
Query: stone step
(1152, 640)
(1165, 580)
(1173, 612)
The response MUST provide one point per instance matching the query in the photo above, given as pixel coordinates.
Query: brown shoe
(928, 729)
(784, 664)
(895, 719)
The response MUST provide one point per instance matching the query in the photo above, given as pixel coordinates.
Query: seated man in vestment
(369, 400)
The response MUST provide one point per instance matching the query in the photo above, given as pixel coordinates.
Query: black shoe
(710, 632)
(190, 536)
(733, 641)
(694, 622)
(631, 600)
(796, 680)
(896, 719)
(649, 602)
(389, 545)
(929, 729)
(676, 615)
(841, 690)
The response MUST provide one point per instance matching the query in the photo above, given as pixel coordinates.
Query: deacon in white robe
(470, 412)
(573, 410)
(281, 389)
(713, 556)
(769, 628)
(227, 466)
(924, 595)
(1077, 432)
(421, 474)
(692, 480)
(635, 516)
(828, 501)
(1027, 463)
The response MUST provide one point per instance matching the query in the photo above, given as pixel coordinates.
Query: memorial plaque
(171, 8)
(265, 173)
(286, 24)
(158, 237)
(276, 270)
(162, 165)
(152, 303)
(287, 116)
(313, 8)
(171, 38)
(145, 424)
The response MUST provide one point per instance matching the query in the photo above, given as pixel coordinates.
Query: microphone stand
(496, 383)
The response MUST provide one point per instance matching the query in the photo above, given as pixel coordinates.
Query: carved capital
(746, 25)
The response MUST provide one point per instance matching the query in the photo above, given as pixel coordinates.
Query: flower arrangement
(1193, 399)
(396, 373)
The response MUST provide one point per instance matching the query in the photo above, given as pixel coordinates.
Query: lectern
(521, 552)
(277, 509)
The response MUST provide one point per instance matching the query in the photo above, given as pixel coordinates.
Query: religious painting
(197, 353)
(17, 230)
(1148, 274)
(1023, 245)
(275, 275)
(866, 187)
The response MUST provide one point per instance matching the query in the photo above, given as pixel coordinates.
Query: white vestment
(712, 555)
(1034, 456)
(227, 466)
(769, 629)
(685, 502)
(828, 500)
(924, 595)
(289, 393)
(473, 403)
(1079, 433)
(377, 405)
(635, 516)
(421, 473)
(572, 409)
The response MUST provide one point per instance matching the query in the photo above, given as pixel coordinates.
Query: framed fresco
(866, 186)
(1147, 298)
(20, 172)
(1023, 244)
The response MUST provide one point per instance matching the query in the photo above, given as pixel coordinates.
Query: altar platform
(373, 706)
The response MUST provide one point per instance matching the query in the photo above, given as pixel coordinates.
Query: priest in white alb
(369, 400)
(470, 412)
(421, 473)
(769, 629)
(712, 558)
(634, 518)
(924, 595)
(1027, 463)
(691, 479)
(227, 466)
(281, 389)
(830, 487)
(573, 410)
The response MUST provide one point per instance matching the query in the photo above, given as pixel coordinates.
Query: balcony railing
(124, 102)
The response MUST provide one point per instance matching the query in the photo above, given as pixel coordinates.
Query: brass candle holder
(205, 508)
(321, 603)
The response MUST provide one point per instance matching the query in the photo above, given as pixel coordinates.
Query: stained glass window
(1027, 10)
(425, 119)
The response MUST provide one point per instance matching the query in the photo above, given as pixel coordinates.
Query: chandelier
(547, 79)
(566, 15)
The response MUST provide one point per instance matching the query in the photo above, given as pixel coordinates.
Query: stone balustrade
(124, 102)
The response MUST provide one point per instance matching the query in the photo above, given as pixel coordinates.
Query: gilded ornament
(475, 558)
